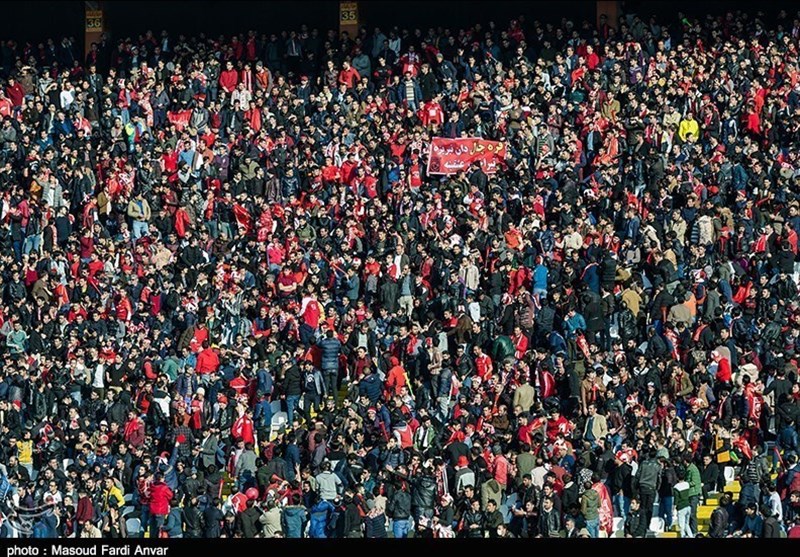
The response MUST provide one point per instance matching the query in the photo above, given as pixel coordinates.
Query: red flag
(242, 217)
(606, 509)
(181, 222)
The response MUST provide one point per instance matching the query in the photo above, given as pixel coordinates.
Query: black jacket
(399, 506)
(771, 528)
(423, 494)
(635, 524)
(719, 523)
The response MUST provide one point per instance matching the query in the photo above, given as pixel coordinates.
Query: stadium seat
(279, 420)
(730, 474)
(134, 526)
(656, 525)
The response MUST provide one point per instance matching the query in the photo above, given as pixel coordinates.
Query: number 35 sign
(348, 15)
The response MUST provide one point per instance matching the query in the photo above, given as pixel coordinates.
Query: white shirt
(66, 97)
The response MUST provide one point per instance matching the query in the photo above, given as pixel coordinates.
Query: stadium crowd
(235, 304)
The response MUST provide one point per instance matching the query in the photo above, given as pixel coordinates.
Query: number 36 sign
(94, 20)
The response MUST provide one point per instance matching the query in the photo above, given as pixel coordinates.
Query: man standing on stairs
(331, 347)
(681, 492)
(646, 483)
(695, 489)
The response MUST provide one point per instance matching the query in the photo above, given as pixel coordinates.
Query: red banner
(450, 156)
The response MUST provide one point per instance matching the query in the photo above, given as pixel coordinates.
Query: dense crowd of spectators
(235, 304)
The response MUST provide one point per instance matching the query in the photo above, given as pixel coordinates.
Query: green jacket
(681, 493)
(525, 463)
(693, 477)
(590, 504)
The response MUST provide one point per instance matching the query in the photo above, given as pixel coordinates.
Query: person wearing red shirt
(432, 114)
(242, 429)
(330, 172)
(348, 76)
(396, 378)
(520, 343)
(15, 92)
(348, 169)
(592, 59)
(557, 424)
(287, 284)
(483, 364)
(207, 360)
(500, 466)
(6, 106)
(723, 367)
(134, 430)
(229, 78)
(160, 498)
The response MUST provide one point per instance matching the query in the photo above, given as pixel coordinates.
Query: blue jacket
(330, 347)
(45, 527)
(292, 457)
(264, 379)
(540, 277)
(572, 324)
(320, 514)
(173, 523)
(371, 386)
(294, 521)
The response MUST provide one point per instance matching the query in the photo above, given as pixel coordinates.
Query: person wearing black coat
(472, 521)
(635, 521)
(352, 518)
(770, 527)
(247, 521)
(709, 475)
(423, 495)
(192, 519)
(608, 271)
(720, 519)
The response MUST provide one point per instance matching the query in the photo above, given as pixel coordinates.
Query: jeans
(406, 305)
(683, 522)
(400, 528)
(32, 243)
(144, 519)
(444, 407)
(331, 378)
(694, 501)
(156, 522)
(306, 334)
(593, 526)
(622, 506)
(291, 404)
(665, 510)
(139, 229)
